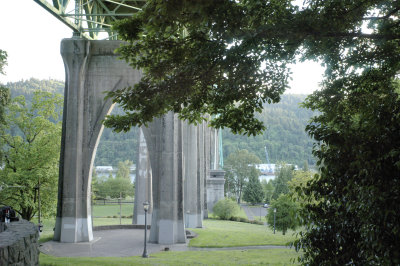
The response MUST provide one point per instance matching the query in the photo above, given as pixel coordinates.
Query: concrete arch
(91, 69)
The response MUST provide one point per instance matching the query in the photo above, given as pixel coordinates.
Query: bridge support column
(143, 183)
(207, 163)
(91, 68)
(192, 212)
(164, 139)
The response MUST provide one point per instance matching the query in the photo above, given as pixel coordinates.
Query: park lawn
(110, 221)
(48, 225)
(111, 210)
(223, 257)
(219, 233)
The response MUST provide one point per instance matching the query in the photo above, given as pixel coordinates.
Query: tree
(4, 95)
(268, 188)
(285, 174)
(205, 56)
(124, 170)
(253, 192)
(285, 216)
(240, 166)
(225, 209)
(114, 188)
(3, 61)
(31, 154)
(298, 184)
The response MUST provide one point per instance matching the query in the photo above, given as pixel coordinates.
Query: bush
(225, 209)
(286, 214)
(243, 220)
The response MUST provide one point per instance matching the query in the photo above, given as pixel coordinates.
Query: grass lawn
(111, 210)
(218, 233)
(110, 221)
(223, 257)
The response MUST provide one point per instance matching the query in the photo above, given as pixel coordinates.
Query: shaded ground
(122, 243)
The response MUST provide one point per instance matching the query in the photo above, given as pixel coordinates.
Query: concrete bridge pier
(191, 199)
(91, 69)
(207, 163)
(143, 183)
(164, 143)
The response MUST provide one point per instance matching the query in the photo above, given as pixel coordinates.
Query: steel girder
(88, 18)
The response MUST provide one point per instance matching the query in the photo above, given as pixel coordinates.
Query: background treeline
(285, 137)
(113, 147)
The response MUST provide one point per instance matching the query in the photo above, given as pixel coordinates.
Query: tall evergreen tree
(240, 166)
(253, 192)
(285, 174)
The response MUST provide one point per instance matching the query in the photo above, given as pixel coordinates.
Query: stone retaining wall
(19, 244)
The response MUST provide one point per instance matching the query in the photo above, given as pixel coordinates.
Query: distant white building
(104, 168)
(266, 168)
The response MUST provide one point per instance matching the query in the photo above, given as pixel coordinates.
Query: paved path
(121, 243)
(254, 211)
(248, 212)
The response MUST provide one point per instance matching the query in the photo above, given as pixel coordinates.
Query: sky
(31, 36)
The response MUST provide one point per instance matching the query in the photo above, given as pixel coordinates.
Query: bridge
(177, 169)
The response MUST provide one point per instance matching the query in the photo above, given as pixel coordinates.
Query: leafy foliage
(358, 189)
(268, 189)
(225, 209)
(113, 147)
(285, 216)
(204, 58)
(239, 168)
(4, 92)
(253, 192)
(113, 188)
(124, 169)
(31, 153)
(3, 61)
(284, 175)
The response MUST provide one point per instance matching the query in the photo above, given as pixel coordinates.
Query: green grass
(111, 210)
(231, 257)
(218, 233)
(48, 225)
(110, 221)
(241, 213)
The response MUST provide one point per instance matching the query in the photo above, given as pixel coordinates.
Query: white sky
(32, 36)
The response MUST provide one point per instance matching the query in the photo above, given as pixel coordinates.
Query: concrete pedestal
(215, 187)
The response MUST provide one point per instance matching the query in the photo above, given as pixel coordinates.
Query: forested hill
(285, 137)
(113, 147)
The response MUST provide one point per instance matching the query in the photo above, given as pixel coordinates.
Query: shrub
(286, 214)
(243, 220)
(225, 209)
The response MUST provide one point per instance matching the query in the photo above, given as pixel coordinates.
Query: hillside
(285, 137)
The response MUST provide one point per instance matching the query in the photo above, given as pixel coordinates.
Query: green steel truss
(90, 18)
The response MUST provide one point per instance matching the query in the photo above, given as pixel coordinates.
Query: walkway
(121, 243)
(254, 211)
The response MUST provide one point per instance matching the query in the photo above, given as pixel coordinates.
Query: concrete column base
(140, 219)
(75, 229)
(192, 220)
